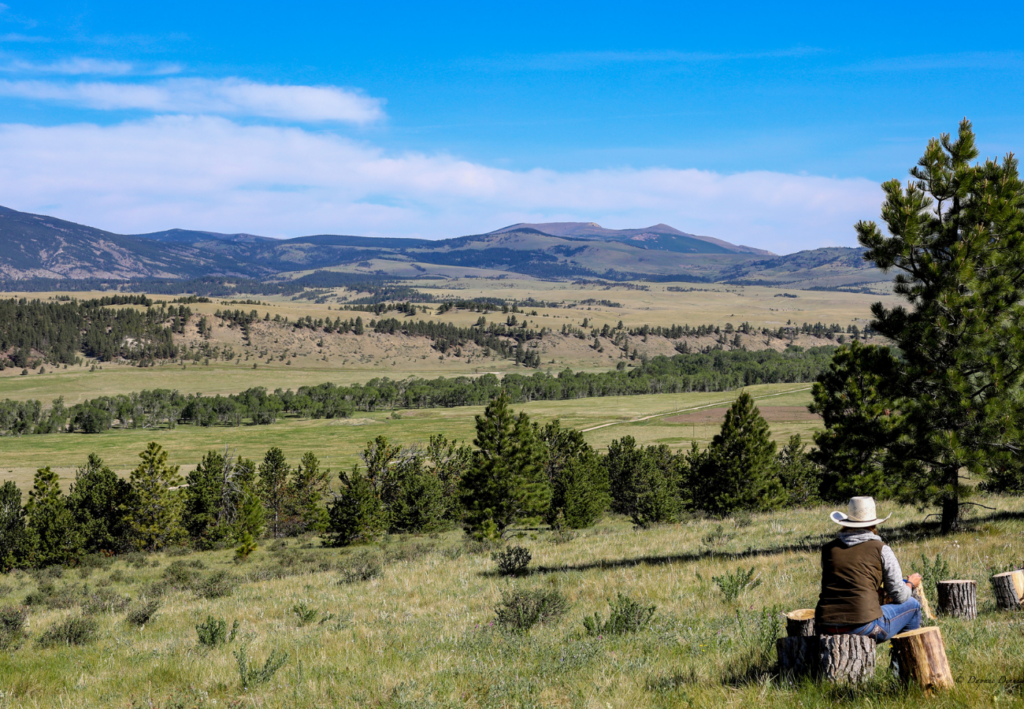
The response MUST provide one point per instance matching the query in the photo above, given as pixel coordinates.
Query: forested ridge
(718, 370)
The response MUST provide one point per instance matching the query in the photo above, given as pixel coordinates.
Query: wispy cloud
(79, 66)
(574, 61)
(224, 96)
(18, 37)
(953, 60)
(211, 173)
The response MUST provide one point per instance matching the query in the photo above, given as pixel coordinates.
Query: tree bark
(800, 623)
(846, 658)
(951, 510)
(958, 598)
(921, 656)
(1009, 590)
(798, 655)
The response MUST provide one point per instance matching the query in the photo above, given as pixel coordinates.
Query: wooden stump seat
(800, 623)
(958, 598)
(846, 659)
(1009, 590)
(921, 656)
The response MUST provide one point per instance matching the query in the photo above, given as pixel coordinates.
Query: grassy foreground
(421, 635)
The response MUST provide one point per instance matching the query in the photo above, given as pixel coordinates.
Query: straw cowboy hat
(861, 513)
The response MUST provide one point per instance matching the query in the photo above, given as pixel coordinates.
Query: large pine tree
(57, 539)
(506, 483)
(739, 471)
(356, 516)
(154, 517)
(98, 502)
(309, 485)
(274, 487)
(15, 540)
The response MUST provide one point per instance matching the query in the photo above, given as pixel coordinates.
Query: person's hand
(914, 580)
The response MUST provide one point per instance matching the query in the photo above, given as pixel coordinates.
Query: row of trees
(715, 371)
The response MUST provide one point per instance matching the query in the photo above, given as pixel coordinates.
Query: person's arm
(892, 577)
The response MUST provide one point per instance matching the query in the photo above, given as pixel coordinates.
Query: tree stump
(800, 623)
(958, 598)
(798, 655)
(1009, 590)
(846, 659)
(921, 656)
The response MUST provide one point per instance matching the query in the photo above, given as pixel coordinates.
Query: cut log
(921, 656)
(798, 655)
(958, 598)
(1009, 590)
(846, 659)
(800, 623)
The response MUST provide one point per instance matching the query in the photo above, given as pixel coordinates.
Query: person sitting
(854, 567)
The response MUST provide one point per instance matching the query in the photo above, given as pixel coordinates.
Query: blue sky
(762, 125)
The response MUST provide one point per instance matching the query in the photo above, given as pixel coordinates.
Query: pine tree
(274, 487)
(956, 237)
(799, 475)
(420, 506)
(579, 493)
(863, 422)
(741, 463)
(98, 502)
(308, 487)
(356, 516)
(15, 540)
(251, 516)
(201, 498)
(56, 537)
(154, 516)
(506, 483)
(449, 461)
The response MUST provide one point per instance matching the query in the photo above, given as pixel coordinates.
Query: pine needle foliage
(154, 517)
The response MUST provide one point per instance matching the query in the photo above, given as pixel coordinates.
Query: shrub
(183, 574)
(305, 613)
(70, 631)
(12, 626)
(106, 601)
(520, 610)
(142, 613)
(733, 583)
(362, 568)
(214, 631)
(251, 674)
(625, 616)
(217, 585)
(512, 561)
(933, 572)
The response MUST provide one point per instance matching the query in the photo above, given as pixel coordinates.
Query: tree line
(716, 371)
(516, 472)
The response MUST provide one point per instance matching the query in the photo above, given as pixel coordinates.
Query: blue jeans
(896, 618)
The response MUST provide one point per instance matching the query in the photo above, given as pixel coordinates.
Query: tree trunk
(958, 598)
(1009, 590)
(798, 655)
(846, 658)
(800, 623)
(921, 656)
(951, 511)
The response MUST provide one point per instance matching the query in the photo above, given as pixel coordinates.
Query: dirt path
(714, 405)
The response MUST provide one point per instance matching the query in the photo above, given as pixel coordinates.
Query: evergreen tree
(623, 459)
(387, 465)
(98, 502)
(449, 461)
(251, 517)
(862, 418)
(15, 540)
(644, 481)
(308, 487)
(506, 483)
(420, 506)
(56, 537)
(274, 487)
(202, 499)
(741, 463)
(956, 238)
(356, 516)
(154, 510)
(799, 475)
(579, 494)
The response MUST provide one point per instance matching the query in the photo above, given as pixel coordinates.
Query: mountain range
(34, 246)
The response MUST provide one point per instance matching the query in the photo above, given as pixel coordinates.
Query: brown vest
(850, 579)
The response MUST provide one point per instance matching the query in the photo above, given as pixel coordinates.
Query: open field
(422, 633)
(338, 442)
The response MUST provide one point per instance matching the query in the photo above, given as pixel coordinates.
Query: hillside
(41, 247)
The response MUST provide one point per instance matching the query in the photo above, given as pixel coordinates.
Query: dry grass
(420, 635)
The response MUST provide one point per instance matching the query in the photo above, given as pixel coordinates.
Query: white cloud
(223, 96)
(210, 173)
(78, 66)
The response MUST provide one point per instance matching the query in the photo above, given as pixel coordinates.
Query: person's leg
(900, 617)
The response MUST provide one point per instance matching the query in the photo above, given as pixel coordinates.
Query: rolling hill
(41, 247)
